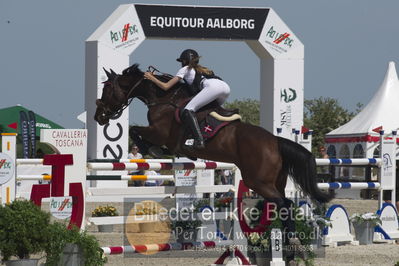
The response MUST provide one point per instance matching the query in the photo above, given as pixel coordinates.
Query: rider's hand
(148, 75)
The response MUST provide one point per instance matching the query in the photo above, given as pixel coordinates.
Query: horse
(265, 160)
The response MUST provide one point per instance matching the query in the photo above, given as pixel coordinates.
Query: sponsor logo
(281, 38)
(4, 164)
(6, 168)
(288, 96)
(43, 125)
(387, 162)
(61, 207)
(124, 36)
(279, 41)
(116, 151)
(388, 218)
(285, 117)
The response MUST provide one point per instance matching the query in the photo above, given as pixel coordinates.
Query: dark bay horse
(264, 159)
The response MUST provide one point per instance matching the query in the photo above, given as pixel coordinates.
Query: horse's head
(117, 91)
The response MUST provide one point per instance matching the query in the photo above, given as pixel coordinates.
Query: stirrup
(190, 119)
(199, 144)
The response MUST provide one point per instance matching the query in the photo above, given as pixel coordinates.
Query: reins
(128, 100)
(152, 69)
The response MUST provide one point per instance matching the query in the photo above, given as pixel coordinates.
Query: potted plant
(259, 244)
(224, 204)
(259, 247)
(72, 247)
(104, 211)
(316, 219)
(318, 223)
(364, 226)
(23, 228)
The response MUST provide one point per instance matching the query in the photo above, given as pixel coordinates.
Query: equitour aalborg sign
(208, 22)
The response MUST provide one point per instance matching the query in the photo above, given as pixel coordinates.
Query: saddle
(211, 118)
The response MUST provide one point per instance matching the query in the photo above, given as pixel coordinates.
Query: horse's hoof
(155, 151)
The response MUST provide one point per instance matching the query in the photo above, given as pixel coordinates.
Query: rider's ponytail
(198, 68)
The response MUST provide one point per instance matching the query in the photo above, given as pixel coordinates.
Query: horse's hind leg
(272, 187)
(264, 185)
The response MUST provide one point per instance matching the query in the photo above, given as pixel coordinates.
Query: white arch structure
(280, 52)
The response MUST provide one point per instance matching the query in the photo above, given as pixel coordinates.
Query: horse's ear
(108, 74)
(113, 73)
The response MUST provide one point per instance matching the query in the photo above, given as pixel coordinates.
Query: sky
(348, 45)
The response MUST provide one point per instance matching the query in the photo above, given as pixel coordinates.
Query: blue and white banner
(23, 120)
(32, 133)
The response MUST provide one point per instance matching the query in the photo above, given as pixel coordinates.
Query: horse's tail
(301, 165)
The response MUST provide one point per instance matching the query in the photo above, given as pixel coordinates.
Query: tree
(249, 110)
(323, 115)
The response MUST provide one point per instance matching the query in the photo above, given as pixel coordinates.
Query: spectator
(323, 152)
(152, 183)
(134, 154)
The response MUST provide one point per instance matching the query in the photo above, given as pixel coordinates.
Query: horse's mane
(135, 70)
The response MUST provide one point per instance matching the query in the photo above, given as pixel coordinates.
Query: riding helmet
(187, 55)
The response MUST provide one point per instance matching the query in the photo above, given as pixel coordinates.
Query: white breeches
(213, 89)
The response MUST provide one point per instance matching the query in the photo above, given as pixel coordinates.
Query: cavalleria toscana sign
(7, 168)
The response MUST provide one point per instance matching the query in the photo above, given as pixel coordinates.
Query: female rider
(203, 82)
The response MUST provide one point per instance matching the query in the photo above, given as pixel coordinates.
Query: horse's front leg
(147, 139)
(150, 134)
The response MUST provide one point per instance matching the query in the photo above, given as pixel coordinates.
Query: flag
(377, 129)
(304, 130)
(32, 133)
(23, 120)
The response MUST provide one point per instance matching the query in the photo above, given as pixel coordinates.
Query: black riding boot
(190, 119)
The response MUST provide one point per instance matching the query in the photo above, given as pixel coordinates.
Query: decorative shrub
(372, 218)
(102, 211)
(60, 235)
(23, 229)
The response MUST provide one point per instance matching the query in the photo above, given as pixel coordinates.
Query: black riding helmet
(187, 55)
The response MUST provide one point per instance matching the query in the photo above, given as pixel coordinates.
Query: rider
(202, 82)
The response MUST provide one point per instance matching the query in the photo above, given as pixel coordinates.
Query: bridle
(114, 114)
(110, 114)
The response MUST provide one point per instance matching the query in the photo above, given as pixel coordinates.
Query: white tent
(356, 139)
